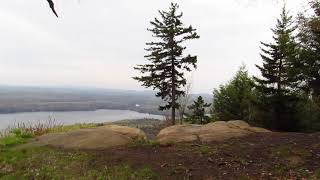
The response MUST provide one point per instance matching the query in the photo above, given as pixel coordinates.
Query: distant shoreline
(78, 110)
(72, 117)
(37, 99)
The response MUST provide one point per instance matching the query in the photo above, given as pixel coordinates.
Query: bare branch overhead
(51, 4)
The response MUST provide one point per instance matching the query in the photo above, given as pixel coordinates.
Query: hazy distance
(14, 99)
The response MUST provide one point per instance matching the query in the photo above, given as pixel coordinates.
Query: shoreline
(85, 110)
(72, 117)
(150, 126)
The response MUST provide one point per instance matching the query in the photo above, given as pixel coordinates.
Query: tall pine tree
(168, 63)
(277, 80)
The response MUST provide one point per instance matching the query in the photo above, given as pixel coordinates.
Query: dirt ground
(258, 156)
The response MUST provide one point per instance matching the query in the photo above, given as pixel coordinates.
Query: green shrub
(26, 135)
(16, 131)
(143, 142)
(235, 100)
(16, 136)
(308, 111)
(12, 140)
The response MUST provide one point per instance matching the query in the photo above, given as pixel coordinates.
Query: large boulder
(240, 124)
(217, 131)
(97, 138)
(179, 133)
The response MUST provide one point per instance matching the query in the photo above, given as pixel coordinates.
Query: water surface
(72, 117)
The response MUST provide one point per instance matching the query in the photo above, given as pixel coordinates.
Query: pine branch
(51, 5)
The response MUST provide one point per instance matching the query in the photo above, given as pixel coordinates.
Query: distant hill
(30, 99)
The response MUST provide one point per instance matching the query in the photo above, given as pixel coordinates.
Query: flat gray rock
(217, 131)
(97, 138)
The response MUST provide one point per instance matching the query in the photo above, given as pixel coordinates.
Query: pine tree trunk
(173, 78)
(279, 78)
(173, 112)
(279, 95)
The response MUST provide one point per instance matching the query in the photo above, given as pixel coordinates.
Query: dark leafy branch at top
(51, 4)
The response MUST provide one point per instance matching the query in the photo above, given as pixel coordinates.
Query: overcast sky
(97, 43)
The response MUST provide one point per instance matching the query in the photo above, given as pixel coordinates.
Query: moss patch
(207, 150)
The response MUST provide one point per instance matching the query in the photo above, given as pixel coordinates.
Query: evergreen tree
(278, 57)
(184, 102)
(309, 68)
(167, 60)
(198, 112)
(309, 41)
(235, 99)
(309, 114)
(277, 81)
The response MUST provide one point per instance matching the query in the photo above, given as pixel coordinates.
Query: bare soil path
(258, 156)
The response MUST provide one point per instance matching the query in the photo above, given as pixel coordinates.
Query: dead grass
(37, 129)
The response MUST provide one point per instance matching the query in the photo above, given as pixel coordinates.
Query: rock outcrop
(217, 131)
(97, 138)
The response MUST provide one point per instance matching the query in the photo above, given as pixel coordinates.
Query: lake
(72, 117)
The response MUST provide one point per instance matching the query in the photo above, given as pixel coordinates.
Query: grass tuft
(16, 136)
(36, 129)
(290, 150)
(206, 150)
(280, 169)
(144, 143)
(61, 128)
(124, 172)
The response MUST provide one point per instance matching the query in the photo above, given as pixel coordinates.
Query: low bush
(143, 142)
(15, 137)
